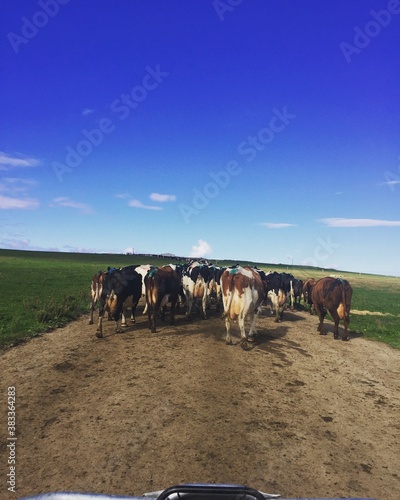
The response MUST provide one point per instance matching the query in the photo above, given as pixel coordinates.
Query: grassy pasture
(44, 290)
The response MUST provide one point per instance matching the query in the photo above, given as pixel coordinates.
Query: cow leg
(174, 300)
(336, 319)
(91, 312)
(278, 314)
(133, 310)
(228, 338)
(253, 330)
(346, 322)
(152, 315)
(321, 315)
(99, 331)
(204, 303)
(241, 326)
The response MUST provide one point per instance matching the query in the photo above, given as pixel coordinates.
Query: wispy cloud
(15, 185)
(122, 196)
(10, 203)
(9, 162)
(276, 225)
(162, 197)
(201, 249)
(87, 111)
(64, 201)
(15, 194)
(390, 183)
(342, 222)
(139, 204)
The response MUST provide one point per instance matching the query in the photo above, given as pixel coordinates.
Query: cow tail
(228, 305)
(346, 312)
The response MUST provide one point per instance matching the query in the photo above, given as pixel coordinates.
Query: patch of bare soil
(297, 413)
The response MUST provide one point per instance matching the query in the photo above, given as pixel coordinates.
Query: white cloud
(276, 225)
(122, 196)
(343, 222)
(8, 162)
(63, 201)
(139, 204)
(162, 197)
(201, 249)
(9, 203)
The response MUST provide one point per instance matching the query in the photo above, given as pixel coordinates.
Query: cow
(287, 281)
(242, 296)
(307, 288)
(278, 301)
(214, 286)
(143, 270)
(120, 286)
(297, 287)
(162, 286)
(276, 291)
(96, 287)
(332, 295)
(195, 283)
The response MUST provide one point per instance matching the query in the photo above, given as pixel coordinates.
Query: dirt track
(297, 414)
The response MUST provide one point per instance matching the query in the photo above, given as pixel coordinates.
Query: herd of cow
(239, 290)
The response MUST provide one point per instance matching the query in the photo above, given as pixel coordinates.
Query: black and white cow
(276, 290)
(122, 288)
(195, 283)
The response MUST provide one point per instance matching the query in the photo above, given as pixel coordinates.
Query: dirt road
(298, 414)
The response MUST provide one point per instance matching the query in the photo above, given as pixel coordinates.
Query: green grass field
(43, 290)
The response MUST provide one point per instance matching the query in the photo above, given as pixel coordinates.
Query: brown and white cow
(332, 295)
(162, 286)
(96, 287)
(242, 295)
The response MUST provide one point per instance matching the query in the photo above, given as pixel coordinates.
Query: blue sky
(257, 130)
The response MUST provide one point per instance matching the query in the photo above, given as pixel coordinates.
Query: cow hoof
(336, 337)
(90, 322)
(153, 330)
(228, 342)
(251, 339)
(322, 333)
(244, 344)
(345, 338)
(99, 335)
